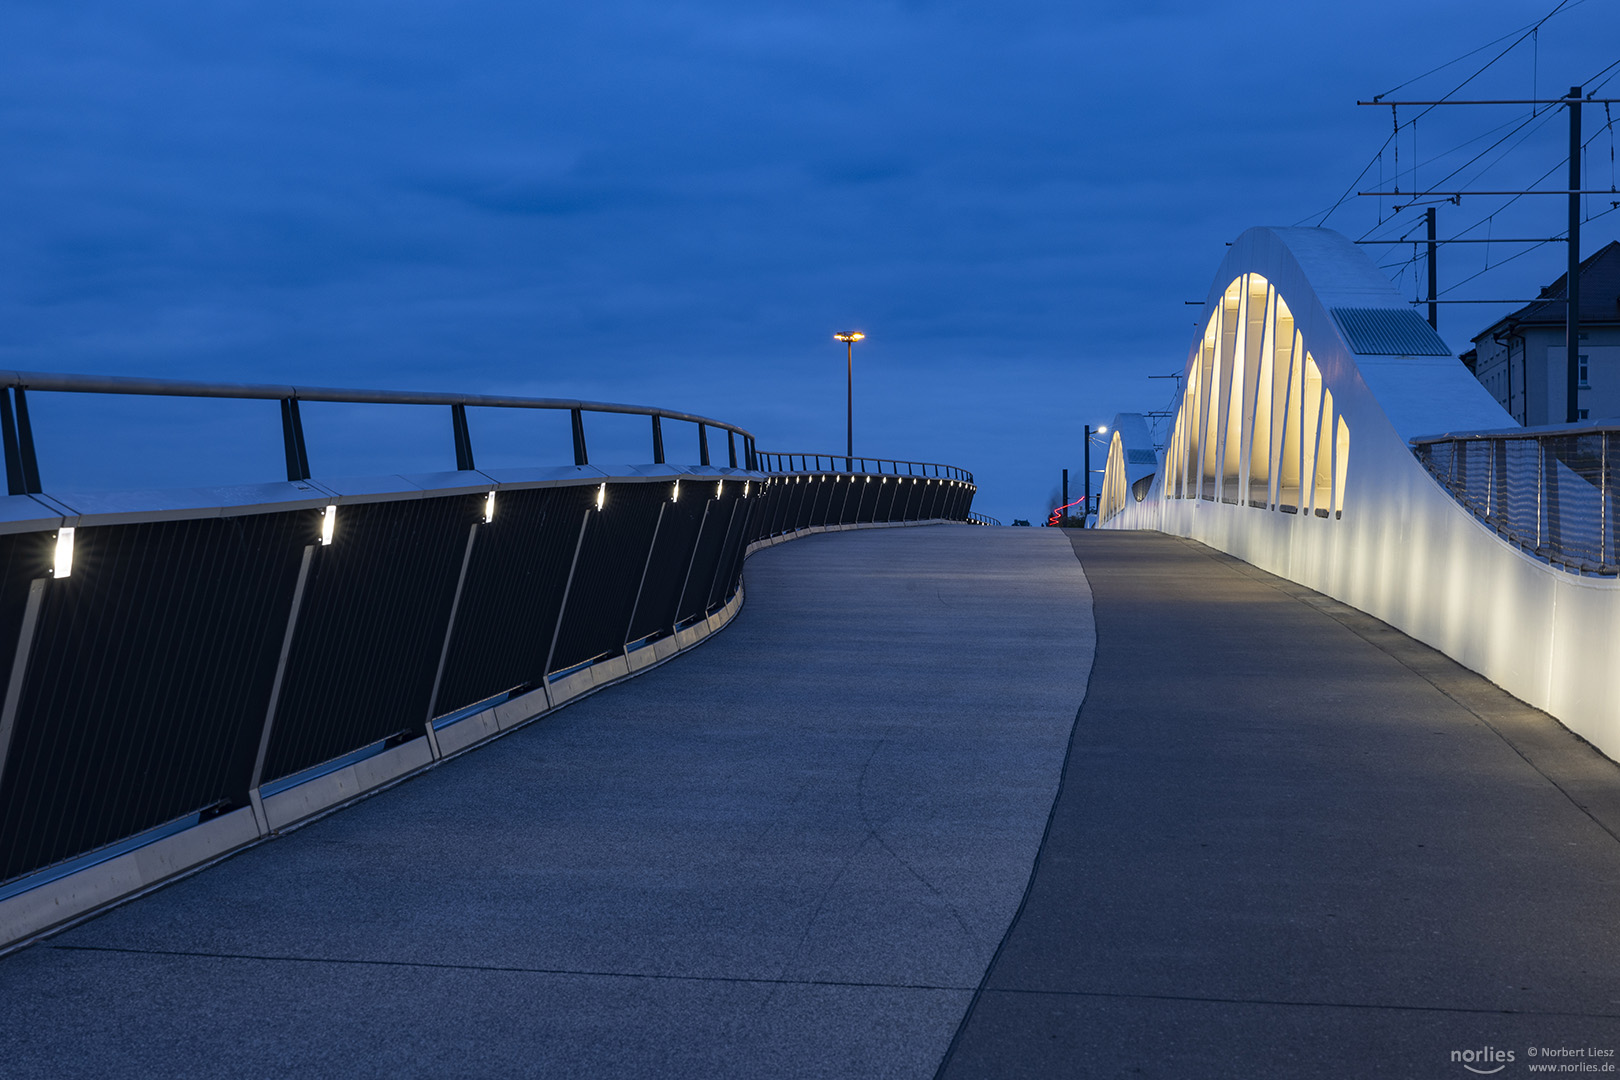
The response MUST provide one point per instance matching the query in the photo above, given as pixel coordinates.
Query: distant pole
(1065, 502)
(1085, 507)
(1572, 280)
(849, 338)
(1434, 308)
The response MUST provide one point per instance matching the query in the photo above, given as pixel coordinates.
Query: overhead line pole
(1572, 275)
(1434, 292)
(1572, 283)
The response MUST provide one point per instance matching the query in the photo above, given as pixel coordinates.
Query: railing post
(449, 633)
(731, 447)
(25, 444)
(256, 777)
(703, 444)
(1555, 523)
(646, 565)
(1541, 488)
(723, 564)
(691, 561)
(14, 469)
(458, 425)
(562, 608)
(292, 437)
(1605, 512)
(1490, 482)
(658, 440)
(577, 421)
(19, 668)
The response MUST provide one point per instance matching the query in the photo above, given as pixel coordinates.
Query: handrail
(786, 461)
(976, 518)
(22, 466)
(114, 384)
(1539, 431)
(1549, 491)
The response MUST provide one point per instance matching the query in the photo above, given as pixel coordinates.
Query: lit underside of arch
(1256, 423)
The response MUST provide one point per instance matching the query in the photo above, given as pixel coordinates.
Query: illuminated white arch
(1316, 480)
(1131, 464)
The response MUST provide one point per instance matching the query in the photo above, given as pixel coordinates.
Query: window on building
(1585, 383)
(1583, 414)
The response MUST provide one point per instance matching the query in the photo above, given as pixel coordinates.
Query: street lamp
(1102, 429)
(849, 338)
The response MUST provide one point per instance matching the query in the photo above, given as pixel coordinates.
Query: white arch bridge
(1326, 434)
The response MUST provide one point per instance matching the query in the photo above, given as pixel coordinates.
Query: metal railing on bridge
(786, 462)
(1549, 491)
(172, 665)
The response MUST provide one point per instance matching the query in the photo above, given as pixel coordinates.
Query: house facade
(1522, 358)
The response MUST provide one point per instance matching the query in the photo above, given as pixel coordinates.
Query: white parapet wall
(1290, 450)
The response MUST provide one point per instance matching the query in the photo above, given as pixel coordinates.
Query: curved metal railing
(783, 461)
(975, 518)
(388, 625)
(22, 467)
(1548, 491)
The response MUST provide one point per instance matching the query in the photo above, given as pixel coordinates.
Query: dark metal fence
(785, 462)
(1548, 491)
(167, 666)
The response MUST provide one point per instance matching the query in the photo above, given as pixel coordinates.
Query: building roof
(1600, 296)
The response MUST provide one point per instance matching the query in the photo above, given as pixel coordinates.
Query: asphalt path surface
(790, 852)
(1292, 842)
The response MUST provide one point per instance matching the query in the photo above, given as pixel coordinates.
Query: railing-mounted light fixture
(601, 496)
(62, 564)
(675, 496)
(489, 508)
(328, 525)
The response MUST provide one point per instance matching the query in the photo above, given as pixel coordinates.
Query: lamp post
(849, 338)
(1085, 511)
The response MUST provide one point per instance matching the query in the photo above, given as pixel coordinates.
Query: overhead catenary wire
(1527, 27)
(1397, 222)
(1526, 251)
(1519, 37)
(1516, 124)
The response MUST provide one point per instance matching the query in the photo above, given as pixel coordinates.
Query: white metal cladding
(1402, 549)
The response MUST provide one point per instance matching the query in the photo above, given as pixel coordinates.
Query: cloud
(643, 201)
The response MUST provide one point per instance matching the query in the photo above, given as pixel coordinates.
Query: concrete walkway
(792, 852)
(1289, 842)
(1292, 842)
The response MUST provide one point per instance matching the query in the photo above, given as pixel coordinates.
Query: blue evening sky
(679, 204)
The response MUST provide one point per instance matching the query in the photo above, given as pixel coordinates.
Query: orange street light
(849, 338)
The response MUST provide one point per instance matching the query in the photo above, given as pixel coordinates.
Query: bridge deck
(790, 852)
(1293, 842)
(1288, 842)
